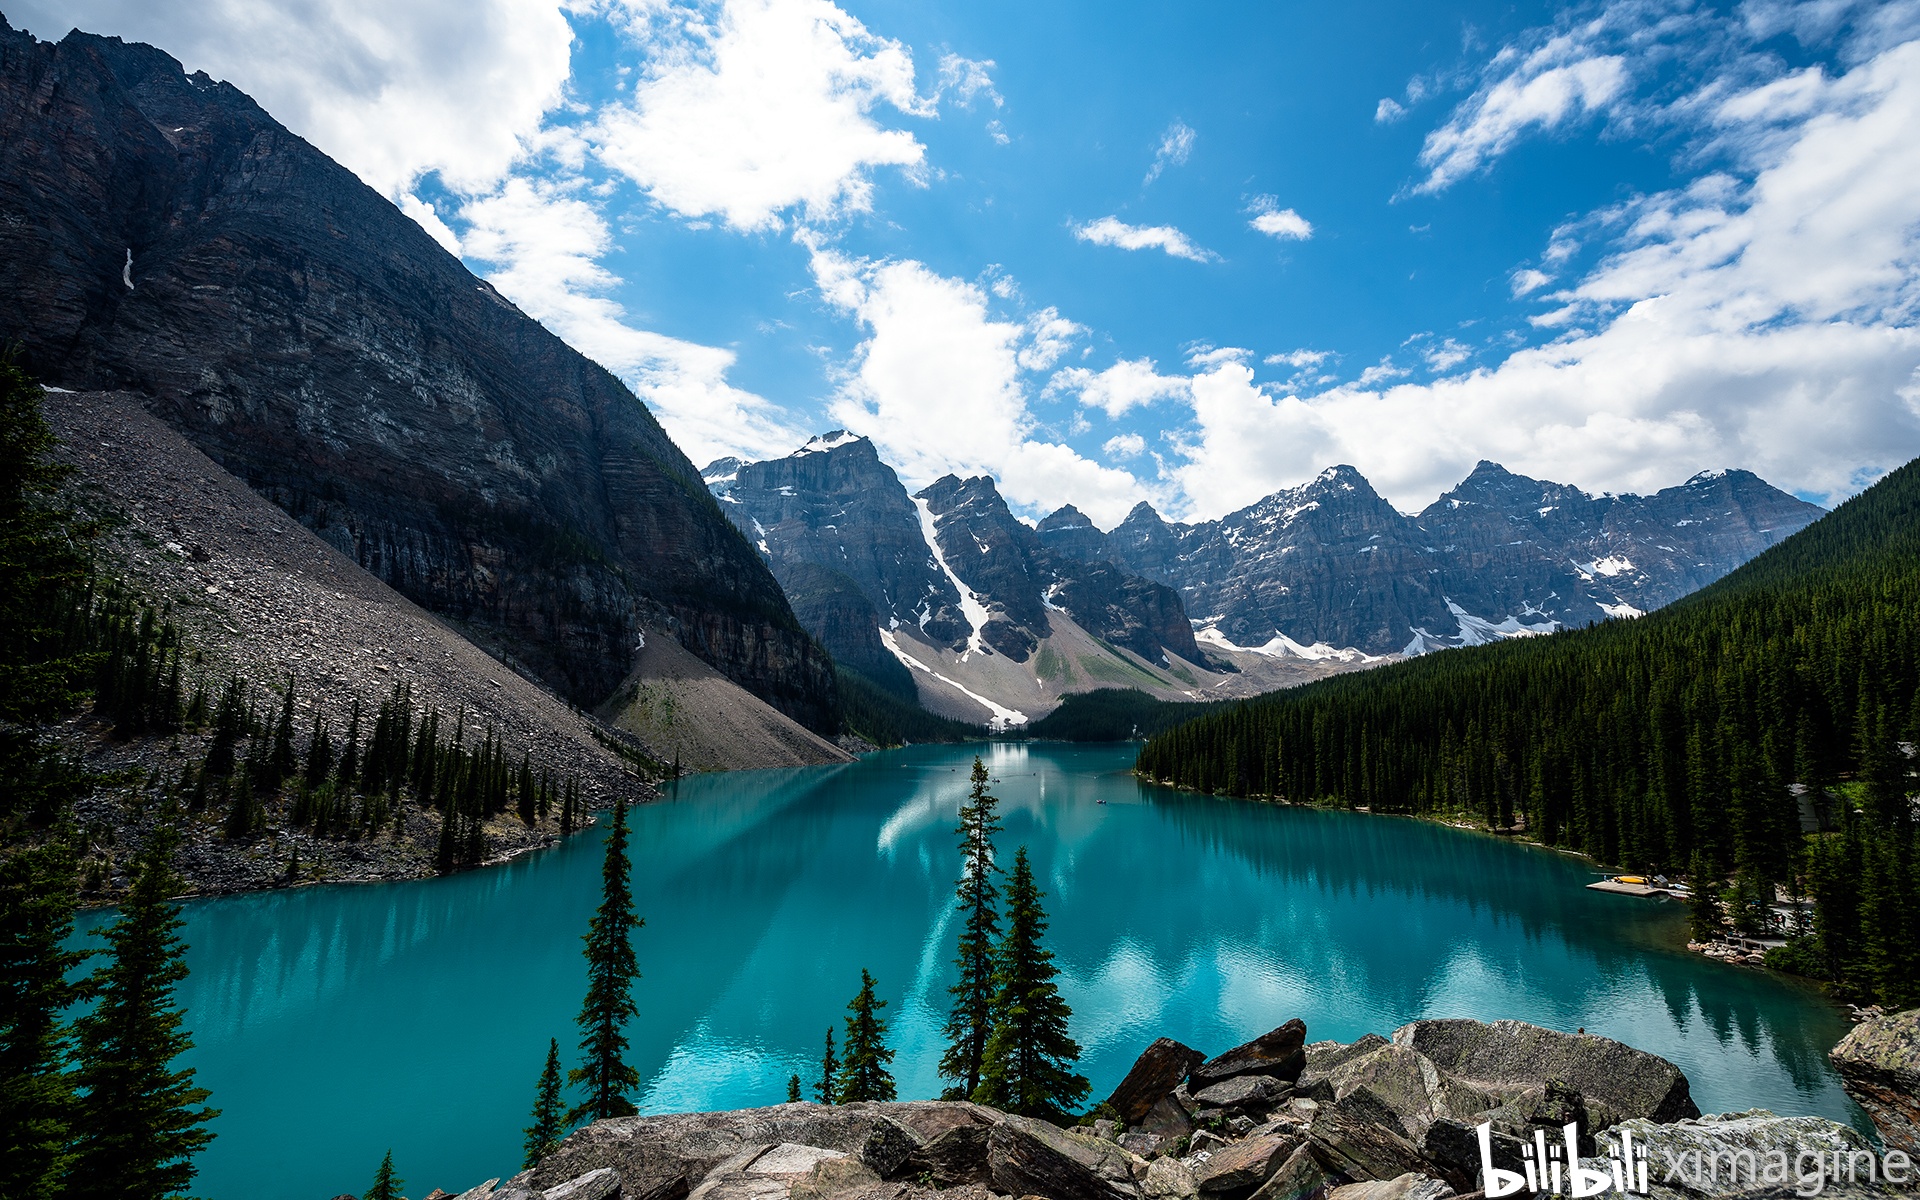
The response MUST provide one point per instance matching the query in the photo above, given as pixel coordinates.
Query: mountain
(161, 234)
(947, 598)
(1761, 730)
(1331, 563)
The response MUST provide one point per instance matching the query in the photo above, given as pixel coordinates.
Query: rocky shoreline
(1278, 1118)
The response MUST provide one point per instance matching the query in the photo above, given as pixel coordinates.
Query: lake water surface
(335, 1022)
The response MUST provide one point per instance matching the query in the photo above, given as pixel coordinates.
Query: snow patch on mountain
(832, 440)
(1622, 609)
(971, 606)
(1003, 717)
(1282, 646)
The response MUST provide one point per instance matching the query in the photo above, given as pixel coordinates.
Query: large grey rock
(1406, 1187)
(1361, 1149)
(665, 1157)
(1510, 1057)
(1161, 1067)
(1169, 1179)
(1323, 1057)
(1168, 1118)
(594, 1185)
(1740, 1154)
(1406, 1082)
(1879, 1065)
(1243, 1091)
(950, 1141)
(1280, 1053)
(1453, 1147)
(1244, 1166)
(1032, 1158)
(1301, 1177)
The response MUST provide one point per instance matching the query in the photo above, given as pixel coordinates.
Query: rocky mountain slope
(947, 597)
(1274, 1119)
(1331, 562)
(260, 597)
(161, 234)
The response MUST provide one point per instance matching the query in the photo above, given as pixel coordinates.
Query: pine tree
(1703, 922)
(36, 1101)
(828, 1089)
(548, 1115)
(348, 767)
(611, 970)
(793, 1089)
(970, 1022)
(140, 1122)
(281, 762)
(386, 1185)
(446, 854)
(1029, 1061)
(319, 754)
(863, 1070)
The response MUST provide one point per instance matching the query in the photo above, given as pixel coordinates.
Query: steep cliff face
(1500, 555)
(318, 344)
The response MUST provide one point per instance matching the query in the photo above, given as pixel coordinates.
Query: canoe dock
(1636, 885)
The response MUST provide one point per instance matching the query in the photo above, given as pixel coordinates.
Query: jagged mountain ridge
(951, 567)
(315, 342)
(1331, 562)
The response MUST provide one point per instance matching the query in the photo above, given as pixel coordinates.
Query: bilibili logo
(1557, 1169)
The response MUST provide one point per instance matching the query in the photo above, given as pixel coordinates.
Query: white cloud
(936, 384)
(391, 91)
(1049, 335)
(765, 109)
(1127, 384)
(1447, 355)
(1176, 146)
(998, 133)
(1125, 445)
(1526, 281)
(1297, 358)
(1269, 218)
(967, 79)
(1388, 111)
(1381, 372)
(1112, 231)
(1765, 321)
(545, 247)
(1543, 89)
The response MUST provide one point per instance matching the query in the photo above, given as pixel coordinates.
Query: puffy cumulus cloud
(766, 107)
(1765, 321)
(1125, 445)
(1542, 91)
(937, 385)
(1176, 146)
(1527, 281)
(1388, 111)
(1284, 223)
(392, 91)
(1112, 231)
(1127, 384)
(544, 246)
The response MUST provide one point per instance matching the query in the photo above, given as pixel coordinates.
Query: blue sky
(1183, 253)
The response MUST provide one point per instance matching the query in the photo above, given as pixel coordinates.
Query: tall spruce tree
(793, 1089)
(140, 1121)
(36, 1100)
(386, 1185)
(611, 970)
(828, 1089)
(549, 1117)
(1029, 1062)
(970, 1022)
(863, 1065)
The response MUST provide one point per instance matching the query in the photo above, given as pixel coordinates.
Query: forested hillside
(1701, 739)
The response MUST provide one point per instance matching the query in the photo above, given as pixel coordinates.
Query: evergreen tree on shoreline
(386, 1185)
(793, 1088)
(1029, 1061)
(970, 1022)
(36, 1099)
(828, 1089)
(611, 970)
(864, 1057)
(139, 1121)
(549, 1118)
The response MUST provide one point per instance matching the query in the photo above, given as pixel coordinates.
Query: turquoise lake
(335, 1022)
